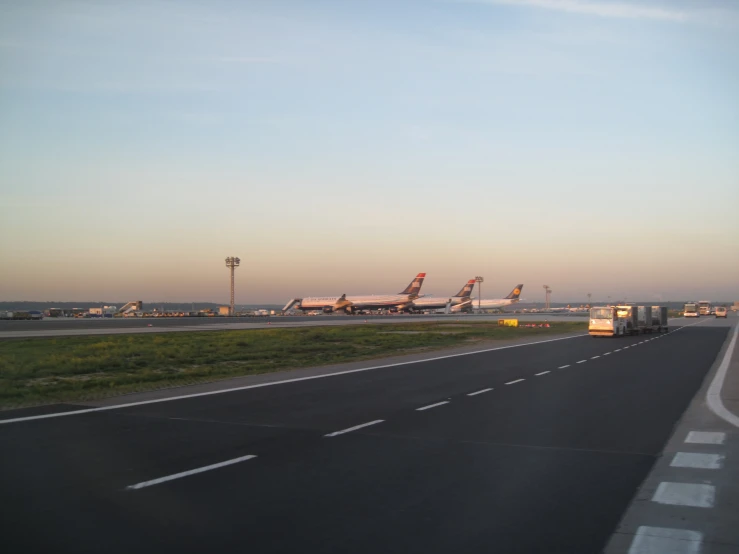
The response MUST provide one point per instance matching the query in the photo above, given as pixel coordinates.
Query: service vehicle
(605, 321)
(659, 319)
(629, 313)
(721, 311)
(690, 310)
(644, 319)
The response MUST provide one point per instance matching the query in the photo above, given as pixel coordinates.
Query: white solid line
(542, 373)
(273, 383)
(479, 392)
(697, 460)
(187, 473)
(335, 433)
(563, 366)
(514, 382)
(705, 437)
(663, 540)
(432, 406)
(713, 394)
(685, 494)
(594, 357)
(582, 361)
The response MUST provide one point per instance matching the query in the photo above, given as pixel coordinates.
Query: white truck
(690, 310)
(608, 321)
(704, 307)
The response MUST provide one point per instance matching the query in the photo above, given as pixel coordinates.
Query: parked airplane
(512, 298)
(438, 302)
(353, 304)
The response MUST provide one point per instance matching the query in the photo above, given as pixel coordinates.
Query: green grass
(45, 370)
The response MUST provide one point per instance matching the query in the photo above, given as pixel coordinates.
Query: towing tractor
(608, 321)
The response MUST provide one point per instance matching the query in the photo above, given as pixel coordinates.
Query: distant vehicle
(436, 303)
(607, 322)
(721, 311)
(20, 315)
(704, 307)
(356, 304)
(490, 304)
(691, 310)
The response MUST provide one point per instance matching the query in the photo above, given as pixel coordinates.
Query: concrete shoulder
(689, 503)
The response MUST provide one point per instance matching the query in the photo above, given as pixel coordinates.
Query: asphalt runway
(532, 449)
(69, 326)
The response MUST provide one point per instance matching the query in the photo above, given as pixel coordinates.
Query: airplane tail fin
(515, 293)
(466, 290)
(415, 287)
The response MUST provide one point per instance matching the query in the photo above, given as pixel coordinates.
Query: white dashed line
(516, 381)
(432, 406)
(354, 428)
(563, 366)
(659, 540)
(617, 350)
(542, 373)
(582, 361)
(479, 392)
(607, 353)
(705, 437)
(697, 460)
(685, 494)
(187, 473)
(594, 357)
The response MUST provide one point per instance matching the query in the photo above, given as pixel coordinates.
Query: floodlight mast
(232, 263)
(479, 280)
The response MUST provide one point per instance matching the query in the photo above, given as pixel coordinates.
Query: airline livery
(436, 303)
(512, 298)
(353, 304)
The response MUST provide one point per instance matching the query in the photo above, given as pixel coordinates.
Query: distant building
(224, 310)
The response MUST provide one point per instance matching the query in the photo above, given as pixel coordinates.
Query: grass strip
(61, 369)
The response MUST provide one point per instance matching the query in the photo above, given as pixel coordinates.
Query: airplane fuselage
(437, 302)
(489, 304)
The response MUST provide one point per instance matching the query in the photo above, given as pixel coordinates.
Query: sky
(344, 146)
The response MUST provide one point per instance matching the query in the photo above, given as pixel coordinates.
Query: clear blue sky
(343, 146)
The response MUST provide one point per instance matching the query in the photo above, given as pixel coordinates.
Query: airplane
(354, 304)
(512, 298)
(436, 303)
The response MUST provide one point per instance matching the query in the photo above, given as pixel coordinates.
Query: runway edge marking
(274, 383)
(713, 394)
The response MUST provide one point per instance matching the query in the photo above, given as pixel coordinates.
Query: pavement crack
(512, 445)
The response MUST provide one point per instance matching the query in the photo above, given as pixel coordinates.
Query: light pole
(589, 296)
(479, 280)
(232, 263)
